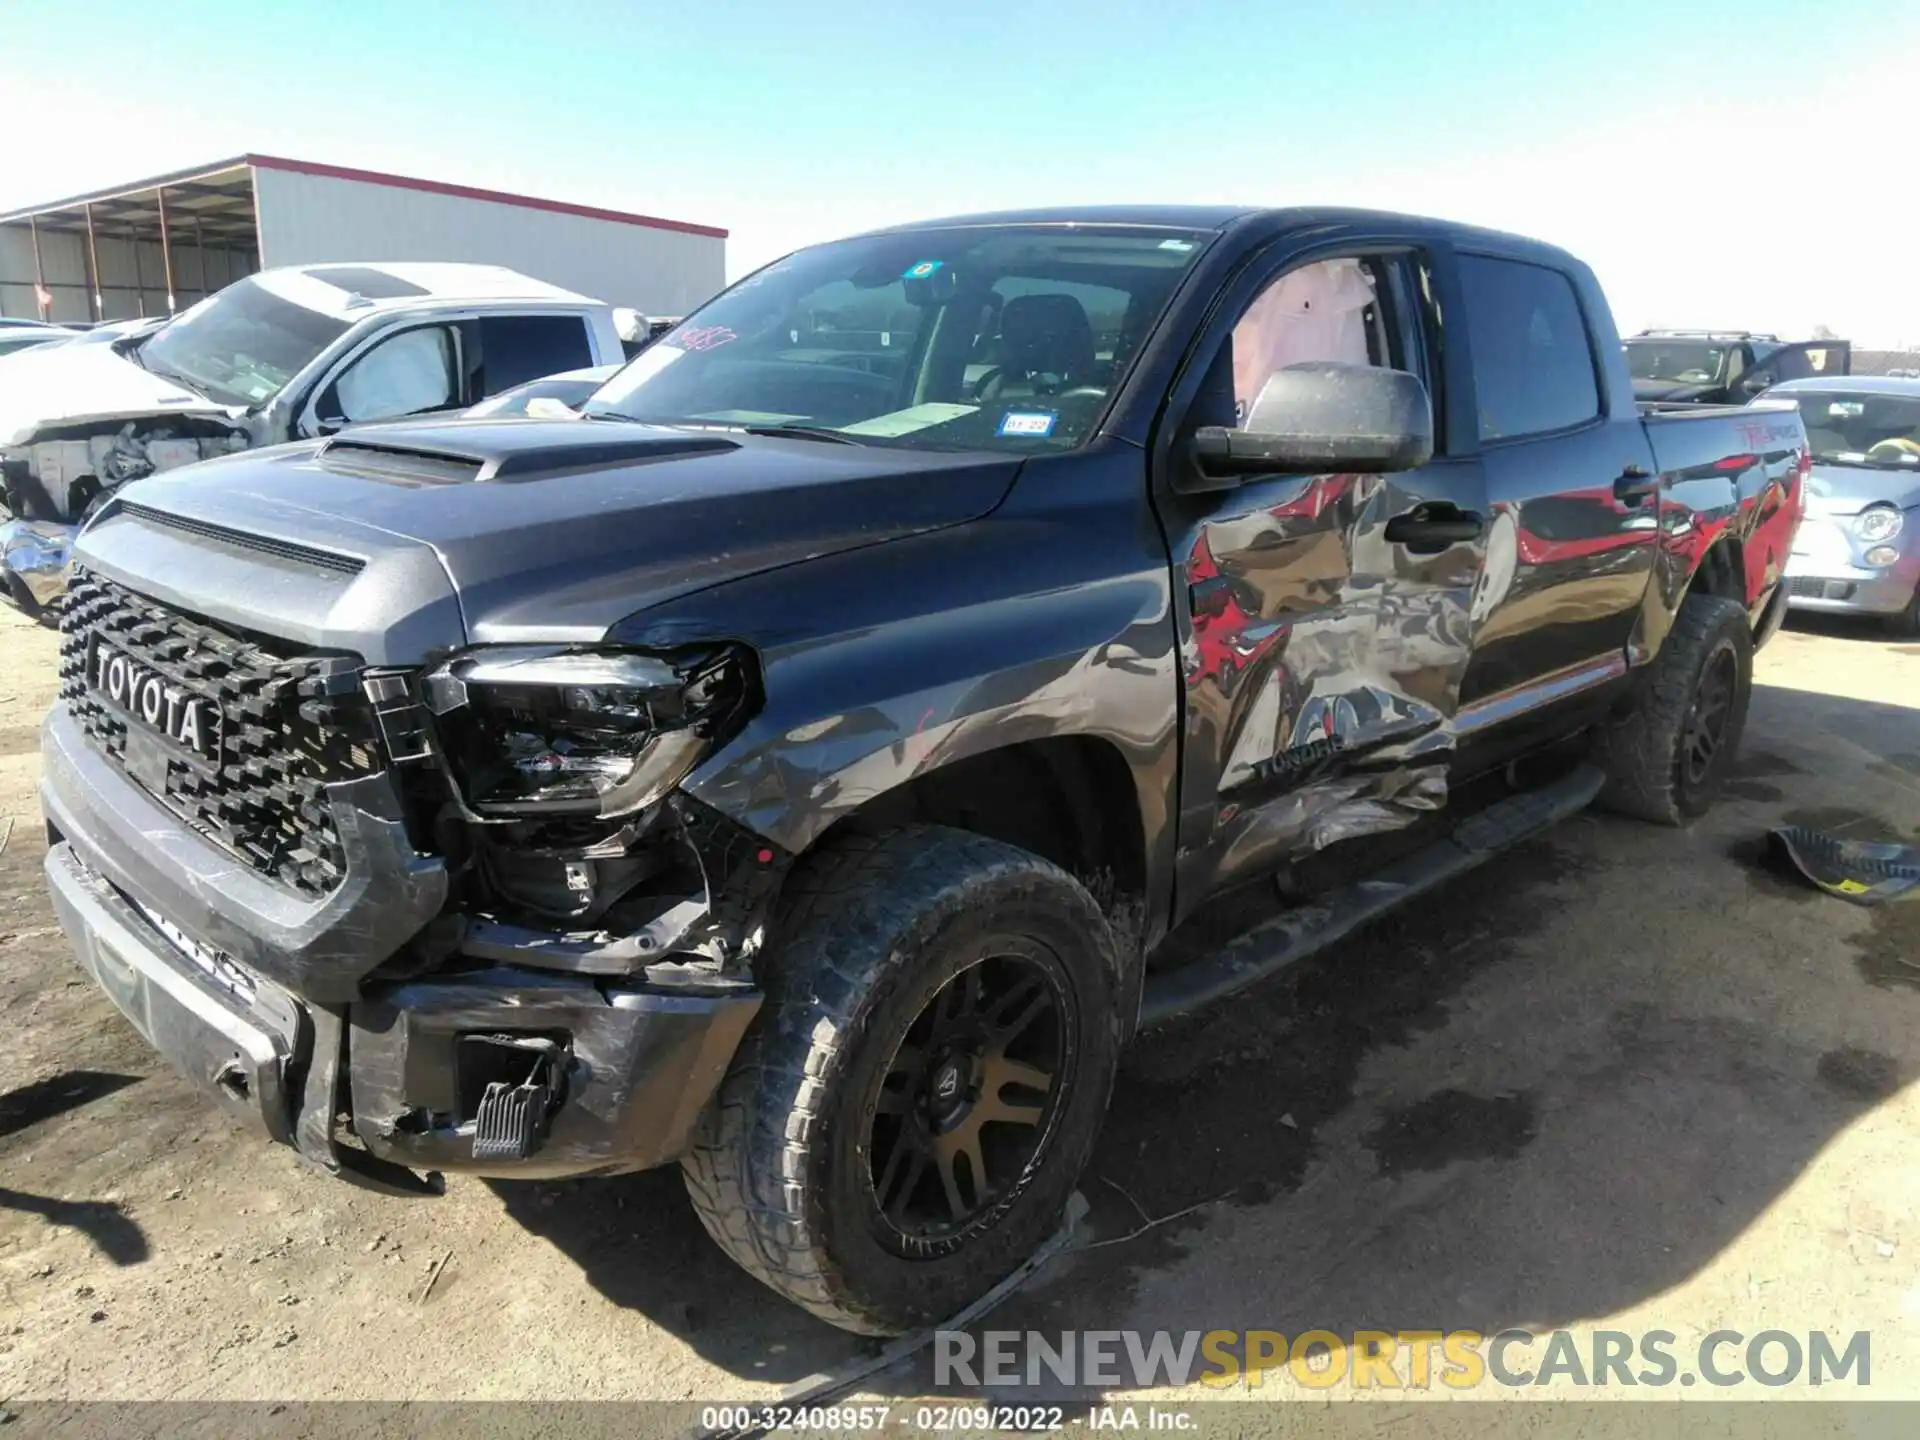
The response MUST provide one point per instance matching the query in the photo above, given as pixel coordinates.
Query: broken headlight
(545, 730)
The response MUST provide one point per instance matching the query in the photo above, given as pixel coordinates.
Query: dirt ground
(1625, 1079)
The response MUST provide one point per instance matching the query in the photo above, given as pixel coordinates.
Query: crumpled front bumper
(183, 940)
(36, 559)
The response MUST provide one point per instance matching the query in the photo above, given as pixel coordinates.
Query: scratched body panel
(1321, 667)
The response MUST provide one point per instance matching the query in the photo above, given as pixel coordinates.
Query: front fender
(1048, 618)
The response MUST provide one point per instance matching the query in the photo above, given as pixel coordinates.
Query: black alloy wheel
(909, 1113)
(1709, 717)
(966, 1106)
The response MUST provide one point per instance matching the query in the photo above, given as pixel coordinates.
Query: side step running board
(1289, 938)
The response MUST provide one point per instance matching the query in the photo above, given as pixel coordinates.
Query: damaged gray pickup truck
(792, 767)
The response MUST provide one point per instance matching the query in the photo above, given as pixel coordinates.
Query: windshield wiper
(804, 432)
(138, 355)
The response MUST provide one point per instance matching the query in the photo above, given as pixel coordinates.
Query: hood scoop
(241, 539)
(505, 450)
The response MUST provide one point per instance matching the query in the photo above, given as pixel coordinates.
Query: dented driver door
(1323, 645)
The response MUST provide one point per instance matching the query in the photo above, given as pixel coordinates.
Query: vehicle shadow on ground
(112, 1231)
(1638, 1131)
(44, 1099)
(637, 1240)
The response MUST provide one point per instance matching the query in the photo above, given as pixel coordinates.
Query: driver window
(410, 374)
(1328, 310)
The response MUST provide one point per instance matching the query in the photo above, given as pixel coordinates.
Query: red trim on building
(470, 192)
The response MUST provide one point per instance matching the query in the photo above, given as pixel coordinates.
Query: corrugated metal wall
(313, 218)
(133, 279)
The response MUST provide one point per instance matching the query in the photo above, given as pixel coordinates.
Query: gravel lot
(1626, 1079)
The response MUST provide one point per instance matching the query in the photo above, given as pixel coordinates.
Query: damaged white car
(286, 354)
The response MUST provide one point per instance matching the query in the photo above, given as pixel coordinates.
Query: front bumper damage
(264, 1000)
(36, 560)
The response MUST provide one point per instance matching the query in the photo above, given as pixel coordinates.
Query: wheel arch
(1069, 799)
(1722, 571)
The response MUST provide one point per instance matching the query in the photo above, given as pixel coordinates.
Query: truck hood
(62, 384)
(1849, 489)
(406, 539)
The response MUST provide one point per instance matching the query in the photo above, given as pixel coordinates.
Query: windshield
(1855, 427)
(1682, 363)
(1004, 336)
(242, 345)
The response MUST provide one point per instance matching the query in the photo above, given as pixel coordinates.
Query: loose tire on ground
(1667, 758)
(878, 941)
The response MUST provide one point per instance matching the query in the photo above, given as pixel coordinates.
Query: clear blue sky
(1719, 163)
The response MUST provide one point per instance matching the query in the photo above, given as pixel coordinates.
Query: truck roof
(1257, 219)
(368, 287)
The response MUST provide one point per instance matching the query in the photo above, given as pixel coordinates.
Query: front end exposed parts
(510, 1118)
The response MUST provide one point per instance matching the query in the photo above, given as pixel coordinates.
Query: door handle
(1634, 484)
(1429, 528)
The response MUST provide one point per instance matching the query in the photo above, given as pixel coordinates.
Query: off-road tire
(863, 935)
(1644, 751)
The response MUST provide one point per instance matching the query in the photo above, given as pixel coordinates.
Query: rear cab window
(1533, 366)
(517, 348)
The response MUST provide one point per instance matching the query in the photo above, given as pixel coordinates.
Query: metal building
(155, 246)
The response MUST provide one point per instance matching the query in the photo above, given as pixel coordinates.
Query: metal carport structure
(154, 246)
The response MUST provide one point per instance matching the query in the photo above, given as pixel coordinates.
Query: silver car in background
(1858, 551)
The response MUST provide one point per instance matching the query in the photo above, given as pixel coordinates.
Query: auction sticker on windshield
(1031, 424)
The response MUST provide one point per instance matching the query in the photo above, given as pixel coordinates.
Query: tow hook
(511, 1120)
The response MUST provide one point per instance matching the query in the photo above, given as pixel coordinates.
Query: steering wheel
(978, 390)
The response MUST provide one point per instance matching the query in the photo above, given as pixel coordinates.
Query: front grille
(1813, 589)
(290, 725)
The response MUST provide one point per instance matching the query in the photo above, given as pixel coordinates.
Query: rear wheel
(924, 1083)
(1669, 755)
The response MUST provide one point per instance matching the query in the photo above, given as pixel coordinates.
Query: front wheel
(1669, 755)
(923, 1086)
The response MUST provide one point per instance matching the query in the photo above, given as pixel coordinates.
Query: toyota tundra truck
(791, 766)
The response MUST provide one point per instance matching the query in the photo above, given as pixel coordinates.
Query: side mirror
(1317, 417)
